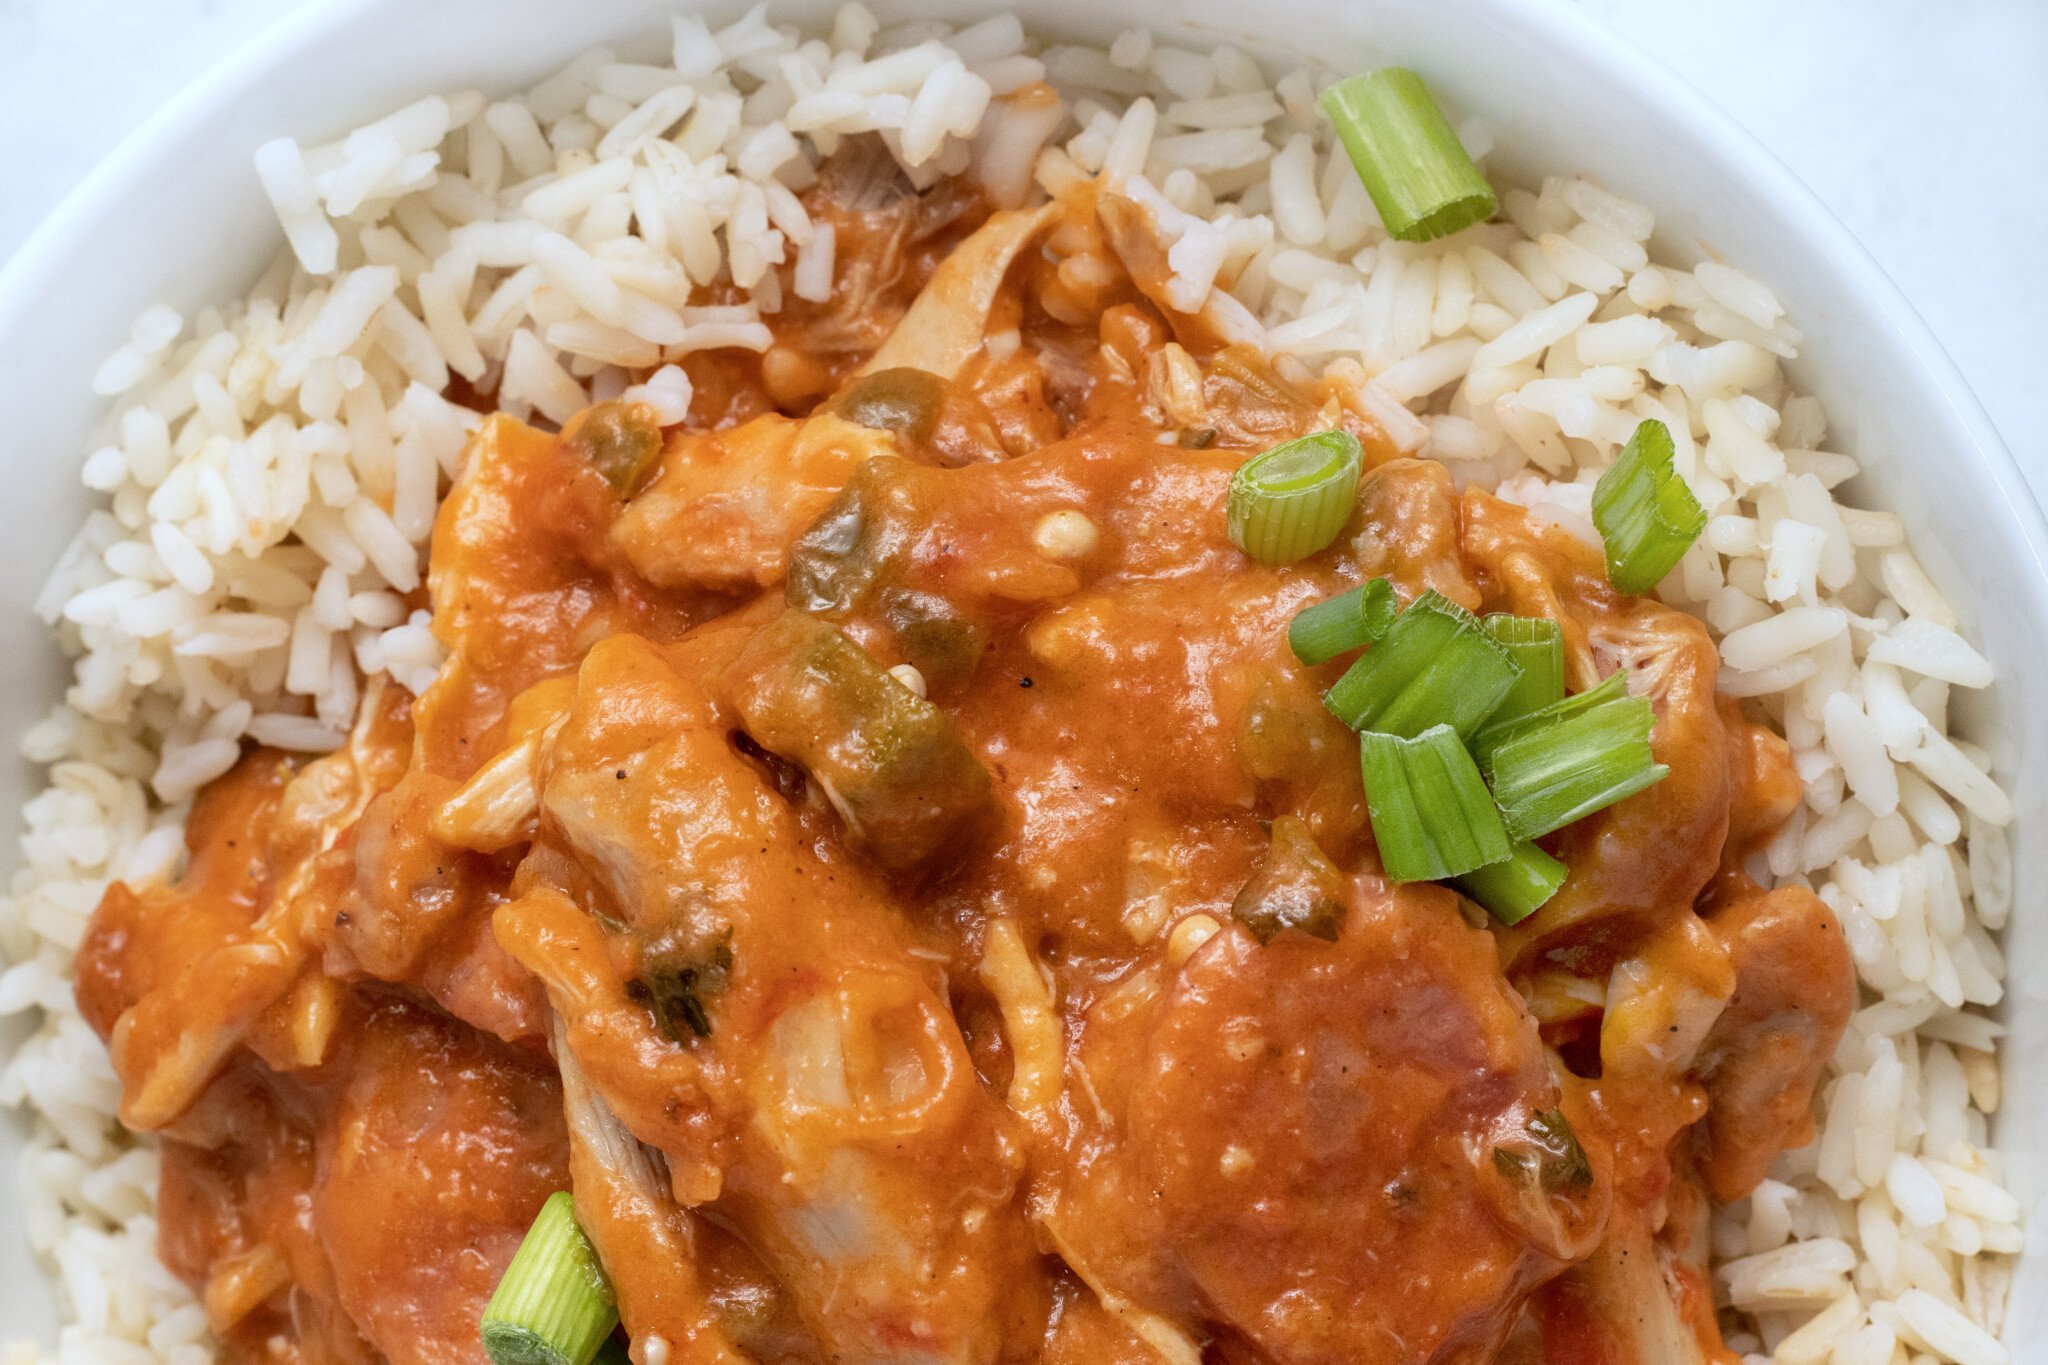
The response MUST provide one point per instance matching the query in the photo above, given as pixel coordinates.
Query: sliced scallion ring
(1338, 625)
(1408, 155)
(1435, 665)
(1292, 500)
(1647, 516)
(1431, 815)
(554, 1306)
(1516, 887)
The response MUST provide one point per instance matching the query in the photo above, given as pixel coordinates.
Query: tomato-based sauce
(873, 844)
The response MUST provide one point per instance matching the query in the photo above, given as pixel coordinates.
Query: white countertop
(1925, 127)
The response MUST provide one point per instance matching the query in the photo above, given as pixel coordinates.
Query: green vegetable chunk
(1295, 886)
(1571, 764)
(903, 400)
(554, 1306)
(1292, 500)
(677, 979)
(622, 441)
(1338, 625)
(1413, 166)
(891, 762)
(1516, 888)
(1547, 1151)
(1434, 666)
(1537, 646)
(1431, 815)
(1502, 728)
(1647, 516)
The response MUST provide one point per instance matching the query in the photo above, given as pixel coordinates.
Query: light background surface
(1924, 127)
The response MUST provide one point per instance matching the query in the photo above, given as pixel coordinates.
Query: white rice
(271, 468)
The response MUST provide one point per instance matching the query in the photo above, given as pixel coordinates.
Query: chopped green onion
(554, 1306)
(1292, 500)
(1431, 815)
(1504, 727)
(1321, 632)
(1515, 889)
(1647, 517)
(1413, 166)
(1436, 665)
(1537, 645)
(1550, 774)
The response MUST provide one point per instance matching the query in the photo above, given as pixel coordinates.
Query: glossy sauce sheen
(870, 1029)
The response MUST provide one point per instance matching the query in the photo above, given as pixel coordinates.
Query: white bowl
(176, 215)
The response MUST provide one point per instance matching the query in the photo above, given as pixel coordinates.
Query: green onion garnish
(1504, 727)
(1557, 769)
(1646, 515)
(1431, 815)
(1411, 161)
(1537, 645)
(1292, 500)
(554, 1306)
(1436, 665)
(1514, 889)
(1341, 624)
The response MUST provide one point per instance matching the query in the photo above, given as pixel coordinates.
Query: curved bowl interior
(177, 216)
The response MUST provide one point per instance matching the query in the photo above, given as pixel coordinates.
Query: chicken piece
(1624, 1305)
(725, 506)
(648, 1245)
(1204, 325)
(1326, 1173)
(1408, 522)
(183, 1020)
(1795, 986)
(139, 939)
(887, 239)
(1766, 787)
(1643, 860)
(944, 326)
(439, 1151)
(524, 578)
(232, 1208)
(860, 1158)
